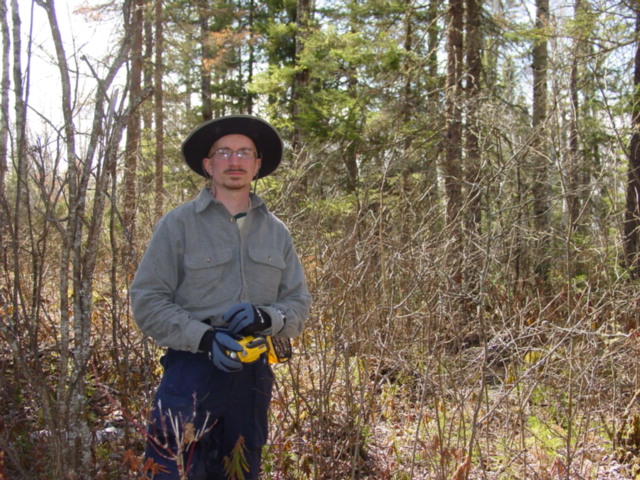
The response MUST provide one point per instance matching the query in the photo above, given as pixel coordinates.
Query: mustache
(241, 170)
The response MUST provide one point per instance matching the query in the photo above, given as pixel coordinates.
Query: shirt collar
(205, 198)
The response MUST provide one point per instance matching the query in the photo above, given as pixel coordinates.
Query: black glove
(221, 348)
(245, 319)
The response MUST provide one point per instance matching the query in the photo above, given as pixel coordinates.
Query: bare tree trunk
(350, 148)
(434, 82)
(453, 149)
(582, 154)
(299, 87)
(407, 111)
(205, 61)
(301, 78)
(158, 105)
(407, 103)
(14, 213)
(433, 39)
(20, 106)
(148, 74)
(4, 107)
(252, 54)
(574, 180)
(473, 175)
(74, 330)
(540, 157)
(473, 159)
(632, 213)
(349, 158)
(573, 199)
(132, 147)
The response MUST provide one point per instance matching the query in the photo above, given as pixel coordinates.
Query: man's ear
(205, 166)
(257, 170)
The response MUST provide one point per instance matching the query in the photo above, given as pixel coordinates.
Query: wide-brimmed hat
(266, 139)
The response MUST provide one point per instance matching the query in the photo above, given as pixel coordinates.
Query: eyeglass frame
(225, 153)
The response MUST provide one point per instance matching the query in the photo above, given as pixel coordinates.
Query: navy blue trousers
(197, 397)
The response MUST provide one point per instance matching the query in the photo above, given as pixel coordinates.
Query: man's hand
(245, 319)
(223, 352)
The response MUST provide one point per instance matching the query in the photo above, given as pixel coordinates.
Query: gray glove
(221, 345)
(244, 319)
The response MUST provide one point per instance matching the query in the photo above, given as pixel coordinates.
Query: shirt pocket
(208, 275)
(267, 265)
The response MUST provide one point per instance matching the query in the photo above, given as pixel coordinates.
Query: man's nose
(234, 158)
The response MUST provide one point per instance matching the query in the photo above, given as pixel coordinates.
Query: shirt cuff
(278, 319)
(195, 331)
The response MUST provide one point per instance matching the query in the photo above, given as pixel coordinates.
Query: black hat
(266, 139)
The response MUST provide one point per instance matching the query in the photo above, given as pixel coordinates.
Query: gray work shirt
(199, 263)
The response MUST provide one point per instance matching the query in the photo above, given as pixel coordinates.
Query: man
(218, 268)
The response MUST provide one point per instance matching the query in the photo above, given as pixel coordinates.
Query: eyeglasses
(226, 153)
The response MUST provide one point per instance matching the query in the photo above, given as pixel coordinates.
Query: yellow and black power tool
(278, 349)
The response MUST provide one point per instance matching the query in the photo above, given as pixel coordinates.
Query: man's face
(234, 172)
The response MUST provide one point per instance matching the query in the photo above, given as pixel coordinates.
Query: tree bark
(301, 77)
(632, 213)
(452, 167)
(4, 109)
(298, 91)
(205, 61)
(473, 158)
(148, 74)
(540, 156)
(132, 146)
(158, 106)
(251, 63)
(473, 172)
(433, 39)
(573, 199)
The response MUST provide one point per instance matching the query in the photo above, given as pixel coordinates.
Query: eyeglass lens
(226, 153)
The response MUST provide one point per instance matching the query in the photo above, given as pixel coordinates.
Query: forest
(462, 182)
